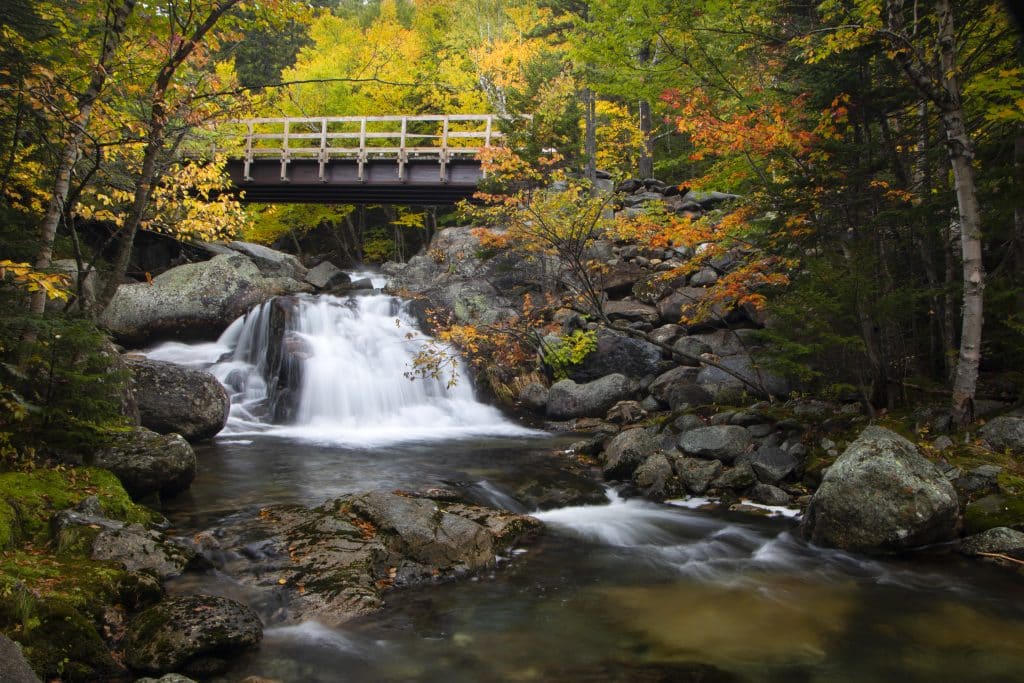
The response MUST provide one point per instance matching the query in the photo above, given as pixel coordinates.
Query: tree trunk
(69, 152)
(589, 134)
(646, 162)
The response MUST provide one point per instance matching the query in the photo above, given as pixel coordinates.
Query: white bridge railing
(442, 138)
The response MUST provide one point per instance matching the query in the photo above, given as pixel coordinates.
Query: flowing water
(626, 591)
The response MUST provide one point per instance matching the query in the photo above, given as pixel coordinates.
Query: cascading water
(335, 370)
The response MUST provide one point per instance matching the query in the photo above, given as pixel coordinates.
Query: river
(625, 591)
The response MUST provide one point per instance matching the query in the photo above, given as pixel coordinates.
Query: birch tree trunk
(56, 208)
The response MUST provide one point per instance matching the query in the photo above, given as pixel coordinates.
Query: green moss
(29, 499)
(62, 643)
(994, 511)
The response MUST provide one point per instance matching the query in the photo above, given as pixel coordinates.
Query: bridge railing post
(362, 154)
(443, 156)
(324, 153)
(247, 166)
(403, 153)
(285, 152)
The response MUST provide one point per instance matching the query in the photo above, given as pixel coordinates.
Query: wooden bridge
(417, 160)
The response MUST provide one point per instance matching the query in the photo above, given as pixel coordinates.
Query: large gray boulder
(618, 353)
(189, 631)
(327, 276)
(726, 387)
(627, 450)
(567, 399)
(881, 495)
(192, 301)
(147, 462)
(14, 668)
(718, 442)
(173, 398)
(272, 263)
(678, 389)
(1005, 433)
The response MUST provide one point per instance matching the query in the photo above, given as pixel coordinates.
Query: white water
(350, 358)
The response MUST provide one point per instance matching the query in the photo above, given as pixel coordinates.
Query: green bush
(569, 352)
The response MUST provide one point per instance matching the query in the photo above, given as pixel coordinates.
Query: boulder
(14, 668)
(173, 398)
(994, 510)
(688, 350)
(727, 388)
(534, 396)
(630, 311)
(720, 442)
(772, 465)
(654, 477)
(69, 267)
(997, 541)
(626, 451)
(618, 354)
(881, 495)
(735, 478)
(619, 279)
(147, 462)
(272, 263)
(189, 631)
(685, 305)
(696, 474)
(567, 399)
(704, 277)
(678, 389)
(191, 301)
(766, 494)
(327, 276)
(1005, 433)
(666, 334)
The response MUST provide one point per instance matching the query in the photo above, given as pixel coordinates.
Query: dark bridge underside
(422, 185)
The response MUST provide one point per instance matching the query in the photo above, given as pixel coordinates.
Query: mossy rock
(29, 499)
(62, 643)
(994, 511)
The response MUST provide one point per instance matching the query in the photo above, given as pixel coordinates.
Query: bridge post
(323, 156)
(362, 154)
(247, 166)
(285, 153)
(443, 158)
(403, 154)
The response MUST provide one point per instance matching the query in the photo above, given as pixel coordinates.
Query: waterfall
(335, 370)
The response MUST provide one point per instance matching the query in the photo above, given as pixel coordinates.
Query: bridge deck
(371, 159)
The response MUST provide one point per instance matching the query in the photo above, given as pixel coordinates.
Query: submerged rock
(190, 632)
(881, 495)
(173, 398)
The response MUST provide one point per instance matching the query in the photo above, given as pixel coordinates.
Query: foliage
(569, 352)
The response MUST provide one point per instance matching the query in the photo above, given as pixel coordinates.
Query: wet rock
(14, 668)
(327, 276)
(766, 494)
(627, 451)
(167, 678)
(617, 354)
(65, 645)
(1005, 433)
(998, 540)
(147, 462)
(735, 478)
(678, 389)
(191, 301)
(654, 477)
(685, 423)
(721, 442)
(695, 474)
(187, 630)
(173, 398)
(566, 489)
(772, 465)
(138, 549)
(881, 495)
(567, 399)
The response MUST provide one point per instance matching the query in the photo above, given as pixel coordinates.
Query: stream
(626, 591)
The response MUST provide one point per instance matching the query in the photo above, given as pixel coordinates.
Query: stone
(684, 304)
(998, 540)
(640, 198)
(626, 412)
(181, 630)
(14, 668)
(567, 399)
(992, 511)
(192, 301)
(678, 389)
(654, 477)
(772, 465)
(685, 423)
(688, 350)
(735, 478)
(361, 284)
(881, 495)
(980, 481)
(766, 494)
(720, 442)
(170, 678)
(138, 549)
(327, 276)
(695, 474)
(629, 185)
(534, 396)
(666, 334)
(617, 353)
(725, 387)
(618, 280)
(1005, 433)
(69, 267)
(272, 263)
(704, 277)
(174, 398)
(626, 451)
(631, 311)
(656, 286)
(710, 200)
(147, 462)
